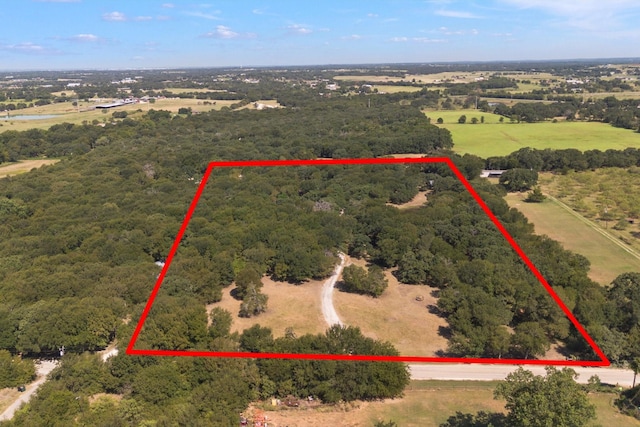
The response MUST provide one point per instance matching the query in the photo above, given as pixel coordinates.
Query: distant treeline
(564, 160)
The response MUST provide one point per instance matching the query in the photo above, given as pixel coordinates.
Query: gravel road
(43, 368)
(328, 310)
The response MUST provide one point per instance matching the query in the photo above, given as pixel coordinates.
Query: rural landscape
(440, 229)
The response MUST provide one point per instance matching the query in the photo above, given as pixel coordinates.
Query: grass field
(396, 89)
(428, 404)
(66, 112)
(399, 318)
(608, 259)
(498, 139)
(11, 169)
(295, 306)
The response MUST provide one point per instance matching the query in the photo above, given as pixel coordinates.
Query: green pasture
(493, 138)
(608, 259)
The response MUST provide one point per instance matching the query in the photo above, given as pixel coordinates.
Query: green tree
(535, 196)
(518, 179)
(553, 400)
(248, 277)
(462, 119)
(253, 303)
(357, 279)
(529, 340)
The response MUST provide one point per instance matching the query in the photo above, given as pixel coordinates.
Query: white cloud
(223, 32)
(594, 15)
(168, 5)
(90, 38)
(211, 16)
(456, 14)
(352, 37)
(372, 15)
(114, 17)
(29, 49)
(416, 40)
(299, 29)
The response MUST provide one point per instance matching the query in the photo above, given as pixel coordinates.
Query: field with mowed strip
(493, 138)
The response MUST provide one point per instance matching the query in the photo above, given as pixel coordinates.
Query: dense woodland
(80, 240)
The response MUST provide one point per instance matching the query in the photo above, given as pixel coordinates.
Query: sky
(127, 34)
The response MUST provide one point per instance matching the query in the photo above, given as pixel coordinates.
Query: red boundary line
(365, 161)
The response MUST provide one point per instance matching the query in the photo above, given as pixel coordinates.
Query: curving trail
(43, 368)
(328, 310)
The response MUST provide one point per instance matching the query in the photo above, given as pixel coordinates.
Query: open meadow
(607, 258)
(399, 317)
(12, 169)
(289, 306)
(493, 138)
(85, 112)
(427, 404)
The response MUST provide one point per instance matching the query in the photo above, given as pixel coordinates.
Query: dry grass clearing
(7, 397)
(419, 200)
(426, 404)
(23, 166)
(296, 306)
(396, 316)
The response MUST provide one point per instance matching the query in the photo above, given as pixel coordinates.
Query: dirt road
(43, 368)
(328, 310)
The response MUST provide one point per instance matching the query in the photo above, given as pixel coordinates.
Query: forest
(80, 240)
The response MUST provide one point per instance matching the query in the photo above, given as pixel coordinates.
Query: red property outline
(365, 161)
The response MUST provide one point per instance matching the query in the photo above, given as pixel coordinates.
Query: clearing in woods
(11, 169)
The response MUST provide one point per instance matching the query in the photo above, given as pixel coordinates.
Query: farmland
(607, 259)
(66, 112)
(493, 138)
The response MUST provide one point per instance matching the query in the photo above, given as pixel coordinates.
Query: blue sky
(71, 34)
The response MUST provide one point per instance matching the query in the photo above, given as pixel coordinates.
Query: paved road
(42, 368)
(462, 372)
(328, 310)
(470, 372)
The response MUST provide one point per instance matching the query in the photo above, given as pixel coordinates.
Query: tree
(635, 367)
(440, 121)
(529, 340)
(553, 400)
(518, 179)
(535, 196)
(253, 303)
(357, 279)
(474, 120)
(247, 277)
(462, 120)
